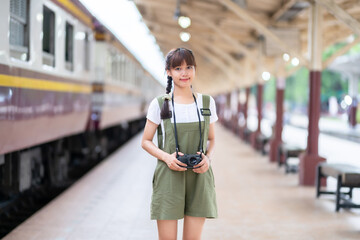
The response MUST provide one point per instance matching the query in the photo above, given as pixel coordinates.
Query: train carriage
(69, 92)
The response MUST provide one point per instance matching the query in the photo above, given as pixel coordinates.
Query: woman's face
(182, 75)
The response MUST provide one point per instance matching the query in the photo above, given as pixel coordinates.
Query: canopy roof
(347, 64)
(235, 41)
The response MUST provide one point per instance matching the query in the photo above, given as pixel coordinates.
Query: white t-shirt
(185, 113)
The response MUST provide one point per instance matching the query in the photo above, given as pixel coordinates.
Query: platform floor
(256, 200)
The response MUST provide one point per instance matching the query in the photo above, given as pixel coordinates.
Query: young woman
(180, 192)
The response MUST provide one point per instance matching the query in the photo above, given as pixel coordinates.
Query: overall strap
(167, 124)
(206, 105)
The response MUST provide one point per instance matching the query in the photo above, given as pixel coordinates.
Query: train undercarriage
(32, 177)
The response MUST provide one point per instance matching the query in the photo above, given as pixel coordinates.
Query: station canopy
(347, 64)
(235, 41)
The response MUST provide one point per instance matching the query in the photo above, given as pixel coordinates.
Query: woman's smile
(182, 75)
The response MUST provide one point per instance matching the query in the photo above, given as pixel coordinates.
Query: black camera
(190, 160)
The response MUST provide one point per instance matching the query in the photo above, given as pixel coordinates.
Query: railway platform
(255, 200)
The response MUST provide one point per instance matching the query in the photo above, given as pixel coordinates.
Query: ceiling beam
(156, 4)
(341, 15)
(282, 10)
(166, 7)
(241, 13)
(249, 73)
(217, 62)
(336, 37)
(207, 76)
(227, 37)
(225, 55)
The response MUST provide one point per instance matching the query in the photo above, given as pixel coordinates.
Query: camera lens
(192, 161)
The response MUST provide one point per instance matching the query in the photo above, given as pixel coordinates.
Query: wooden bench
(347, 176)
(288, 155)
(247, 134)
(261, 142)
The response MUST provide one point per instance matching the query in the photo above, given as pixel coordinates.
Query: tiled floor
(258, 201)
(255, 199)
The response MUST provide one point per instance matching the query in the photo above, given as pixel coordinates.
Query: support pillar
(353, 92)
(245, 112)
(310, 159)
(234, 111)
(239, 113)
(276, 136)
(352, 112)
(228, 113)
(259, 104)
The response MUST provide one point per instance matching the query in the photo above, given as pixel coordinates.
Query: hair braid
(165, 111)
(169, 84)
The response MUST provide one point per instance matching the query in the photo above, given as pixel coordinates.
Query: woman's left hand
(203, 165)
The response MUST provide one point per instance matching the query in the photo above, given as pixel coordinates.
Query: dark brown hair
(173, 59)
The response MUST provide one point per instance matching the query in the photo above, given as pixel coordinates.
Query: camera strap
(176, 138)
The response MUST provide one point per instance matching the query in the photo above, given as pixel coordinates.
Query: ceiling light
(184, 22)
(286, 57)
(185, 36)
(295, 61)
(266, 76)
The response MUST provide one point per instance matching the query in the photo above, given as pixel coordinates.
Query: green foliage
(354, 50)
(332, 84)
(270, 90)
(253, 89)
(297, 85)
(297, 88)
(332, 50)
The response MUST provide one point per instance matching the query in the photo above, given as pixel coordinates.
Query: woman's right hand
(172, 162)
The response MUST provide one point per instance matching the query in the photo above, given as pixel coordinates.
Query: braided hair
(165, 111)
(173, 59)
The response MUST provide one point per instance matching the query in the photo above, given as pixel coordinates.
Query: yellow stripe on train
(76, 11)
(31, 83)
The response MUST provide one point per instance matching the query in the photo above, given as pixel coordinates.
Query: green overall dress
(175, 193)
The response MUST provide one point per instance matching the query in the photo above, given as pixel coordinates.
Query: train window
(133, 71)
(122, 68)
(19, 29)
(125, 70)
(48, 37)
(115, 67)
(69, 47)
(108, 65)
(87, 52)
(118, 66)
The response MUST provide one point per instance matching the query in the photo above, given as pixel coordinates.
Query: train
(70, 92)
